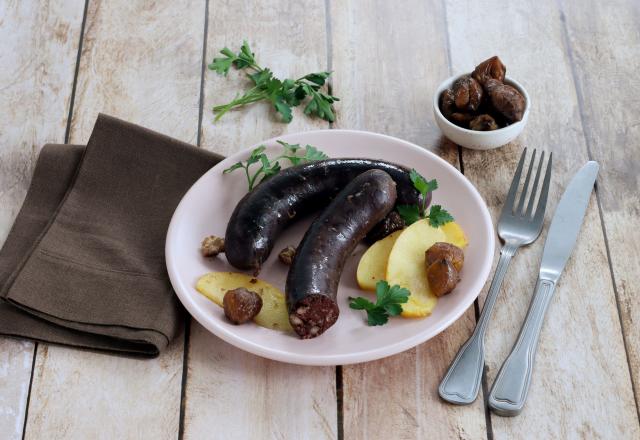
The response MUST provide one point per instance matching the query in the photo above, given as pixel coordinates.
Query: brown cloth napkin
(84, 262)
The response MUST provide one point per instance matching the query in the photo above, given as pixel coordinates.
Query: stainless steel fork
(517, 227)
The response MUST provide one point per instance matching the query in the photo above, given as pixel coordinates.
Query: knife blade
(567, 221)
(509, 391)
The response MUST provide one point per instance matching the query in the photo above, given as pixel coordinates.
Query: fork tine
(525, 187)
(511, 196)
(542, 203)
(534, 188)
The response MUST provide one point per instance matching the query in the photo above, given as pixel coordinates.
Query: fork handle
(509, 391)
(461, 384)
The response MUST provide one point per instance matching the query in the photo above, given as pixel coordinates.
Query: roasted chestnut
(490, 69)
(462, 119)
(467, 93)
(506, 99)
(481, 101)
(447, 103)
(442, 277)
(241, 305)
(483, 123)
(445, 251)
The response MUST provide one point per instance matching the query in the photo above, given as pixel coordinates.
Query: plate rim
(328, 359)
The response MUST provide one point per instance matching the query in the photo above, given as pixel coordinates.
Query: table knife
(509, 391)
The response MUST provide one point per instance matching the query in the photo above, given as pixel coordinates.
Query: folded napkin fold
(84, 262)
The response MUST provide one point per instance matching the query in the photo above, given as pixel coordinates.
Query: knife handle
(509, 391)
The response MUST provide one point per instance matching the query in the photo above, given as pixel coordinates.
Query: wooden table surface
(62, 62)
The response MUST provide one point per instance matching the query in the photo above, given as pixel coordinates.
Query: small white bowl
(479, 140)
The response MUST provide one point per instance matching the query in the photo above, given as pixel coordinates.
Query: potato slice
(455, 235)
(273, 315)
(407, 268)
(373, 263)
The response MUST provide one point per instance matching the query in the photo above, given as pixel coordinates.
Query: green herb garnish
(421, 184)
(388, 300)
(437, 216)
(269, 167)
(282, 94)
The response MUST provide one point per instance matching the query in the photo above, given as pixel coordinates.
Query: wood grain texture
(242, 395)
(289, 38)
(38, 49)
(387, 61)
(15, 373)
(606, 68)
(232, 394)
(80, 394)
(140, 61)
(581, 357)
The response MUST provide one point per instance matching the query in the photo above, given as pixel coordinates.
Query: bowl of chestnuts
(483, 109)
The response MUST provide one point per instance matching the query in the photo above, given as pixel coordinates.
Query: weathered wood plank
(605, 45)
(140, 61)
(387, 61)
(581, 386)
(38, 49)
(241, 395)
(290, 50)
(232, 394)
(15, 374)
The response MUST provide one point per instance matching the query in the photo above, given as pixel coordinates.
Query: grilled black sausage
(263, 213)
(312, 282)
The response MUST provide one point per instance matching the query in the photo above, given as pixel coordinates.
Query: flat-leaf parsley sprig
(282, 94)
(437, 216)
(388, 303)
(294, 153)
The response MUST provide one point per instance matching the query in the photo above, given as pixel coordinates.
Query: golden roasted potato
(455, 234)
(273, 314)
(406, 267)
(373, 263)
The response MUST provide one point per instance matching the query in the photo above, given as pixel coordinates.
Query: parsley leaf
(409, 213)
(271, 167)
(283, 94)
(388, 303)
(311, 153)
(377, 316)
(421, 184)
(360, 303)
(418, 181)
(283, 108)
(412, 213)
(245, 58)
(255, 155)
(222, 65)
(233, 167)
(318, 78)
(320, 104)
(439, 216)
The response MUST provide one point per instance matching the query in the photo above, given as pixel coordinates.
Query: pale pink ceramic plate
(205, 209)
